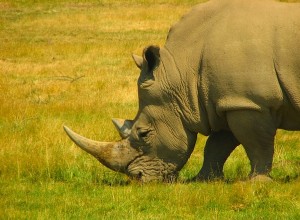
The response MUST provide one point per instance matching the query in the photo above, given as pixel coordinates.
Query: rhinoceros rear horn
(123, 126)
(114, 155)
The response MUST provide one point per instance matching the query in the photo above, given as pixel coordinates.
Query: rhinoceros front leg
(218, 147)
(255, 130)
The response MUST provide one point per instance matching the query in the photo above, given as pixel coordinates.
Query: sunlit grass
(69, 62)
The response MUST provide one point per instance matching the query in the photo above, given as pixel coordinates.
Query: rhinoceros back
(250, 41)
(246, 53)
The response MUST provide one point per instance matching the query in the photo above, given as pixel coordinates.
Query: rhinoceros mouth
(146, 169)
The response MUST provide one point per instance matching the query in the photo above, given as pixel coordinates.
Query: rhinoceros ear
(138, 61)
(152, 57)
(123, 126)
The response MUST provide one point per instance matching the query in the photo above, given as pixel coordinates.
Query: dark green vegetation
(70, 62)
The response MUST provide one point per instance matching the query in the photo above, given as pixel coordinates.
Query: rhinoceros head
(156, 144)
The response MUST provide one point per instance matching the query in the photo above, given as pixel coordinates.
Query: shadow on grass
(289, 179)
(115, 182)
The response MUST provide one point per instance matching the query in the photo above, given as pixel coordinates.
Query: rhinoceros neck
(184, 80)
(185, 43)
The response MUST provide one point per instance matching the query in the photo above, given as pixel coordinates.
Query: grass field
(69, 62)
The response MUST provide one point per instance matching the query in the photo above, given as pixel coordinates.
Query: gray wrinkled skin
(230, 70)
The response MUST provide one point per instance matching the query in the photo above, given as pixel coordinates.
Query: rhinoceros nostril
(140, 174)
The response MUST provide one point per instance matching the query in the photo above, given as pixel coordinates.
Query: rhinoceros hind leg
(255, 131)
(218, 147)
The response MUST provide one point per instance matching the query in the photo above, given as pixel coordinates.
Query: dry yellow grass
(70, 62)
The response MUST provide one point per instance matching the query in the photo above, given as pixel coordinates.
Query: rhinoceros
(229, 70)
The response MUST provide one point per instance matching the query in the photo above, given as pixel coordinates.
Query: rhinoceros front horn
(114, 155)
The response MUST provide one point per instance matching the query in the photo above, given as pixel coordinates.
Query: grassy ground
(70, 62)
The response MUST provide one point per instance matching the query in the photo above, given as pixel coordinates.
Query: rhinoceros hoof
(261, 178)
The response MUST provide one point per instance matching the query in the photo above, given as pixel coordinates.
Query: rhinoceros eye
(143, 133)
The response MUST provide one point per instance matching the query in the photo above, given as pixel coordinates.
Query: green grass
(88, 200)
(69, 62)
